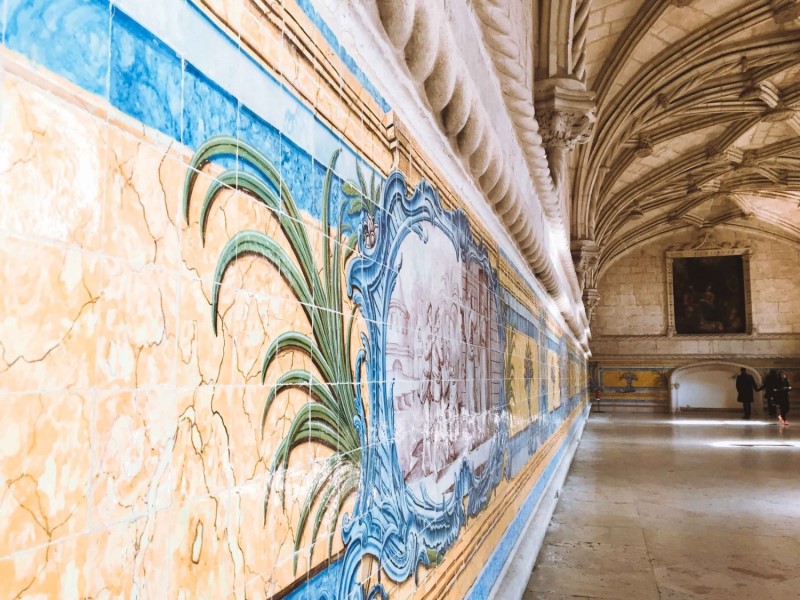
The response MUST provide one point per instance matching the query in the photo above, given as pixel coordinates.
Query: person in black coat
(745, 386)
(782, 396)
(770, 387)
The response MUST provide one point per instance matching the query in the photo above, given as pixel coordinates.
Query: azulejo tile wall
(241, 356)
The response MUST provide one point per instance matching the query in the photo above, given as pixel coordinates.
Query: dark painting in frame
(708, 292)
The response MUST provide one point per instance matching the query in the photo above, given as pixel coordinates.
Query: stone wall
(633, 300)
(631, 321)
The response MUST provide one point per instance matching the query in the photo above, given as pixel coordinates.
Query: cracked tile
(51, 155)
(48, 339)
(136, 344)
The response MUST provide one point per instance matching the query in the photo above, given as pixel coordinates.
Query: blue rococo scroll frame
(390, 522)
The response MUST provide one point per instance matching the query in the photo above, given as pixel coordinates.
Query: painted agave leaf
(328, 417)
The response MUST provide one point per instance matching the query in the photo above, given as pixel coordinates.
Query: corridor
(662, 507)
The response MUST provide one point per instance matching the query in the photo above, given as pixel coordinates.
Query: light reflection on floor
(771, 444)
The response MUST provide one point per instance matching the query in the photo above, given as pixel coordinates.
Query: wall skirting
(513, 578)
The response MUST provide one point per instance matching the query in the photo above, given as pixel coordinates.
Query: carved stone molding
(663, 357)
(567, 21)
(683, 338)
(709, 242)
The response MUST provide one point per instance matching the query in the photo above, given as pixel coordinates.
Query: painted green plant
(364, 199)
(328, 417)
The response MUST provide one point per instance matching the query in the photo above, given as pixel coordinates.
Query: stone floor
(676, 508)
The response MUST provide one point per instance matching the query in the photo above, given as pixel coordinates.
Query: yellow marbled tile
(240, 409)
(119, 567)
(52, 166)
(141, 209)
(133, 440)
(203, 556)
(53, 571)
(45, 460)
(136, 328)
(49, 331)
(203, 358)
(200, 464)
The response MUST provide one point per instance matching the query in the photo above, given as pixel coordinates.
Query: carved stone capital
(565, 112)
(585, 254)
(591, 298)
(565, 129)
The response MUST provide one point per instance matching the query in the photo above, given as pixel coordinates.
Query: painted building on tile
(308, 298)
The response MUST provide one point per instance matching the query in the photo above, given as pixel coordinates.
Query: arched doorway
(709, 386)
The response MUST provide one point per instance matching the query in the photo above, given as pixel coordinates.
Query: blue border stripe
(322, 586)
(3, 20)
(519, 322)
(146, 76)
(333, 42)
(69, 37)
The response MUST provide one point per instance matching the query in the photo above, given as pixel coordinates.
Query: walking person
(782, 396)
(770, 387)
(745, 386)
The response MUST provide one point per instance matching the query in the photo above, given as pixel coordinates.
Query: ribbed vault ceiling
(698, 120)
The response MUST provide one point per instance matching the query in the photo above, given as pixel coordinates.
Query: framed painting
(708, 292)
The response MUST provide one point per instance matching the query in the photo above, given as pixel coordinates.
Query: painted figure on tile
(528, 375)
(452, 359)
(441, 479)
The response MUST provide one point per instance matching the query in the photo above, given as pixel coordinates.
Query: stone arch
(561, 28)
(679, 375)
